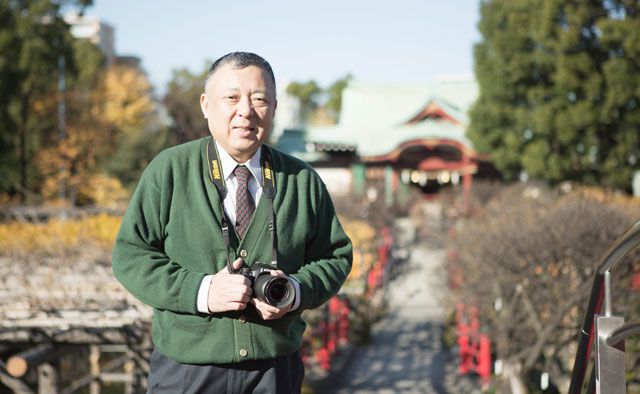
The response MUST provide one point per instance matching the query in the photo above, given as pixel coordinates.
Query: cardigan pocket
(198, 323)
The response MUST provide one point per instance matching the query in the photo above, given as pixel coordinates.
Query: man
(205, 209)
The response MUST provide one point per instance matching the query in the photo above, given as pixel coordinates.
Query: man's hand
(270, 312)
(229, 292)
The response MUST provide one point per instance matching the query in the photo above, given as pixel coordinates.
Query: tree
(334, 93)
(9, 158)
(35, 37)
(559, 90)
(308, 93)
(124, 97)
(141, 133)
(621, 104)
(318, 105)
(183, 104)
(103, 120)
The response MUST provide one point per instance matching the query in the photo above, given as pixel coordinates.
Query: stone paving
(406, 354)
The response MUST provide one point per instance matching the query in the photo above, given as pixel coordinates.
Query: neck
(239, 156)
(242, 157)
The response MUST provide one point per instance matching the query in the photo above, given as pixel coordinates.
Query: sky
(401, 41)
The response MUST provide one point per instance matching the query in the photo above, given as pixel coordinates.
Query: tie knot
(243, 174)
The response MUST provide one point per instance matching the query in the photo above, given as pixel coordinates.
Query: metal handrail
(621, 333)
(601, 291)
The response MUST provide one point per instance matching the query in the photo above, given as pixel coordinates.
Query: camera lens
(274, 291)
(277, 292)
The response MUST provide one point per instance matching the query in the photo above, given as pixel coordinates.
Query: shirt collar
(229, 163)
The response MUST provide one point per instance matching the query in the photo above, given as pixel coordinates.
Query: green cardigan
(170, 239)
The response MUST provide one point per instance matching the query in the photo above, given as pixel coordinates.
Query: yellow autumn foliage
(124, 99)
(608, 196)
(61, 237)
(102, 190)
(118, 106)
(58, 237)
(363, 238)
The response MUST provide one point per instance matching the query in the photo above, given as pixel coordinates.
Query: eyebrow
(236, 90)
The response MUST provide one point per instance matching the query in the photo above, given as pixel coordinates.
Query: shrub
(58, 237)
(528, 258)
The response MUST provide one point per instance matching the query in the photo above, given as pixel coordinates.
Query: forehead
(228, 77)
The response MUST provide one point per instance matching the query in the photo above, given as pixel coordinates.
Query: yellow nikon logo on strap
(267, 171)
(215, 169)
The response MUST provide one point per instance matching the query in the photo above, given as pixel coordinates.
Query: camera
(273, 290)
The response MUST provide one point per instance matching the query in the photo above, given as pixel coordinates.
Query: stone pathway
(406, 354)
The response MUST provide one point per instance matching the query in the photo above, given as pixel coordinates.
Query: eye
(260, 100)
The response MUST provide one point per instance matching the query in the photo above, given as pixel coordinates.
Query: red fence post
(323, 356)
(333, 305)
(464, 348)
(343, 330)
(484, 359)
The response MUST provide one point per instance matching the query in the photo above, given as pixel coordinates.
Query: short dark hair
(240, 60)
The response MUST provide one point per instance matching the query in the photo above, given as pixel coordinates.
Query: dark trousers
(282, 375)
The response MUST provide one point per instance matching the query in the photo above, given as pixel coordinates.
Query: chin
(248, 147)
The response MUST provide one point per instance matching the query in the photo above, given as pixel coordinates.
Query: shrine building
(405, 135)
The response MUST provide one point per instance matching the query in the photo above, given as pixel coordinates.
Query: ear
(204, 104)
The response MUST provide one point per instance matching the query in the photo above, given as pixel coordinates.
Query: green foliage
(308, 93)
(88, 61)
(334, 93)
(33, 37)
(107, 111)
(9, 88)
(135, 151)
(182, 103)
(314, 99)
(559, 89)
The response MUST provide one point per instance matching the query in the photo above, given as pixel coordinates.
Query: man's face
(239, 105)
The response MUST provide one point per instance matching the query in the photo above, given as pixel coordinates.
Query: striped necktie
(244, 202)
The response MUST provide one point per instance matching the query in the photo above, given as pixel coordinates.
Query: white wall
(338, 180)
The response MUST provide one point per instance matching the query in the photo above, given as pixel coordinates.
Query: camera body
(273, 290)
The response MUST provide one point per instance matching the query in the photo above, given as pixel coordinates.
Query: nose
(245, 108)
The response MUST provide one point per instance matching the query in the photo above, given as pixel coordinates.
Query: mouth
(245, 129)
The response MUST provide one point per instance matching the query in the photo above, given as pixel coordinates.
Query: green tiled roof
(374, 116)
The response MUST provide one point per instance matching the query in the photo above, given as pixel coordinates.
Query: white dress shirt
(255, 188)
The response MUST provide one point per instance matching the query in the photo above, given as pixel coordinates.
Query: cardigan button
(243, 352)
(243, 254)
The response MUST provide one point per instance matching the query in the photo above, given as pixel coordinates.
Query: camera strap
(268, 189)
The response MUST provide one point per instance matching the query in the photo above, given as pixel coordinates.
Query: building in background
(129, 61)
(98, 32)
(288, 114)
(403, 135)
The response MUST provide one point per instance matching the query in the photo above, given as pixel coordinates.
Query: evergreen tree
(308, 93)
(318, 105)
(559, 89)
(33, 37)
(183, 104)
(620, 113)
(334, 93)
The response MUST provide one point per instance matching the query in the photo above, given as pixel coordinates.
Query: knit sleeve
(139, 261)
(328, 255)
